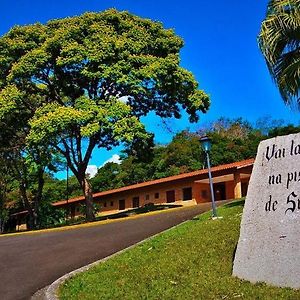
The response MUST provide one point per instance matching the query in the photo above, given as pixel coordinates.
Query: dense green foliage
(25, 165)
(279, 41)
(186, 262)
(232, 140)
(4, 190)
(288, 129)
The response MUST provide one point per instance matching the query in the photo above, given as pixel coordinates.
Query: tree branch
(91, 146)
(67, 156)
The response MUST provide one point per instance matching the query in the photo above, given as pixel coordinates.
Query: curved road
(30, 262)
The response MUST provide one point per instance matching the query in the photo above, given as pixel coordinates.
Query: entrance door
(135, 202)
(122, 204)
(220, 191)
(170, 196)
(244, 189)
(187, 194)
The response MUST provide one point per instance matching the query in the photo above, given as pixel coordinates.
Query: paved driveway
(30, 262)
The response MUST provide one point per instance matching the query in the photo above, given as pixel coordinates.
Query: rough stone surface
(269, 245)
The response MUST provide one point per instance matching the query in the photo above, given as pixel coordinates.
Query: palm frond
(279, 41)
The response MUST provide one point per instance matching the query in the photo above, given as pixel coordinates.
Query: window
(147, 197)
(156, 195)
(187, 194)
(111, 203)
(78, 209)
(135, 202)
(104, 204)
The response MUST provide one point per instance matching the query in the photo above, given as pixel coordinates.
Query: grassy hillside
(191, 261)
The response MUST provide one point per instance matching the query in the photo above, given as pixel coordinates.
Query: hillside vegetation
(191, 261)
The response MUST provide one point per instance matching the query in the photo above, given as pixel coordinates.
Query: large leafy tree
(90, 78)
(25, 164)
(279, 41)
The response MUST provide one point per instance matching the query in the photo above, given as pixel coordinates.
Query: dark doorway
(187, 194)
(170, 196)
(220, 191)
(72, 211)
(122, 204)
(135, 202)
(244, 189)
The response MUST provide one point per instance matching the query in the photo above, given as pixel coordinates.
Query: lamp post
(206, 146)
(67, 210)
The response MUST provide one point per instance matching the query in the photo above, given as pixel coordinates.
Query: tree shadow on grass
(240, 202)
(140, 210)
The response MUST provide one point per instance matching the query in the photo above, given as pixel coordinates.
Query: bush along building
(230, 182)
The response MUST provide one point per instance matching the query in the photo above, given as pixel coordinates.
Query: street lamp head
(206, 143)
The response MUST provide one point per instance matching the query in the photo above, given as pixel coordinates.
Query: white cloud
(114, 159)
(91, 170)
(124, 99)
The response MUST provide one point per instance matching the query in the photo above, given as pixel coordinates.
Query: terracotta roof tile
(238, 165)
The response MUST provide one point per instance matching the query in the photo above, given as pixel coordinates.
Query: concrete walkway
(30, 262)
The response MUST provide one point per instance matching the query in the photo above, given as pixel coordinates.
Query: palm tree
(279, 41)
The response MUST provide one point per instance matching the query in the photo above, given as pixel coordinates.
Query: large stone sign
(269, 245)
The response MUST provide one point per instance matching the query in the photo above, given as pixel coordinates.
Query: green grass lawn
(191, 261)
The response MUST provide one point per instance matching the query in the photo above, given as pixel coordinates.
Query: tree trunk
(31, 221)
(2, 223)
(38, 196)
(87, 191)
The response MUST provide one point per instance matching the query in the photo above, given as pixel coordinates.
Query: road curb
(50, 292)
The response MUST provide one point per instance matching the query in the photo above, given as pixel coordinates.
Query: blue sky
(220, 49)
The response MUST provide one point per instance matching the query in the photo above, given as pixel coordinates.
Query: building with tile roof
(230, 182)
